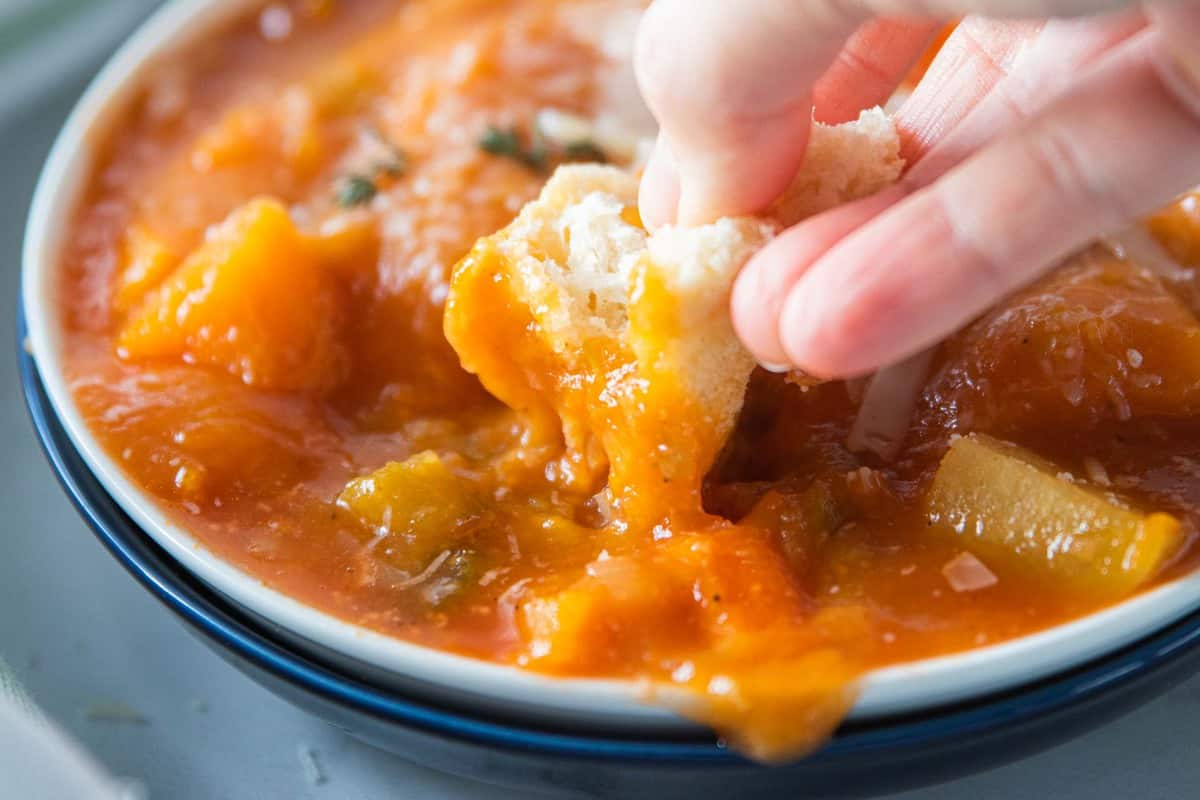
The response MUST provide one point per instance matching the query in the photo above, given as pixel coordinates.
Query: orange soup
(253, 293)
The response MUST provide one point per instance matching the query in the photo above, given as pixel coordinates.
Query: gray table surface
(80, 632)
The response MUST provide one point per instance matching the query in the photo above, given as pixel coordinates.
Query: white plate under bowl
(576, 702)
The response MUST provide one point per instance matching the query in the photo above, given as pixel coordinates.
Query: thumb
(731, 87)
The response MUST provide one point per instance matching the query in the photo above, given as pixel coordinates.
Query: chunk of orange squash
(287, 132)
(252, 300)
(146, 262)
(348, 244)
(610, 617)
(1177, 227)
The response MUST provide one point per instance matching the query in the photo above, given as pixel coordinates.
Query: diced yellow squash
(146, 261)
(546, 530)
(252, 300)
(1012, 507)
(419, 503)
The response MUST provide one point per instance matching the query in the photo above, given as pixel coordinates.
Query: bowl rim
(221, 621)
(898, 689)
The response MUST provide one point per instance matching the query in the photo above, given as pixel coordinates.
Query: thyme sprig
(355, 190)
(383, 160)
(507, 142)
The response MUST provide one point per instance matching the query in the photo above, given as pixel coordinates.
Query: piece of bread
(842, 163)
(624, 337)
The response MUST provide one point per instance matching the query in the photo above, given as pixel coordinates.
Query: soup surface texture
(252, 294)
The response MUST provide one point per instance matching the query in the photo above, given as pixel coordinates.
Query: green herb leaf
(355, 190)
(585, 150)
(506, 142)
(389, 160)
(501, 141)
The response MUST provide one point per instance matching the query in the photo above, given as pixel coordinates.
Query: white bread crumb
(572, 253)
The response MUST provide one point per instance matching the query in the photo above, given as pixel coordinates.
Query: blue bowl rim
(218, 620)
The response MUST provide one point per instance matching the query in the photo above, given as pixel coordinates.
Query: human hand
(1026, 139)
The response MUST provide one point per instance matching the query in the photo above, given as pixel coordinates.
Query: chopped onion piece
(966, 573)
(424, 574)
(1096, 472)
(563, 127)
(888, 405)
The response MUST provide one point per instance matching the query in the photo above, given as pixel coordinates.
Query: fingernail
(658, 198)
(795, 325)
(776, 368)
(756, 316)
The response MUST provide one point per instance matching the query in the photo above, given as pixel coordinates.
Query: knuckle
(1068, 173)
(972, 248)
(990, 42)
(862, 60)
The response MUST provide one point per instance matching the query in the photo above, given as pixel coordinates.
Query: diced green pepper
(419, 503)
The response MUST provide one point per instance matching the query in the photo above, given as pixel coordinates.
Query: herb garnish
(585, 150)
(389, 159)
(507, 142)
(383, 159)
(355, 190)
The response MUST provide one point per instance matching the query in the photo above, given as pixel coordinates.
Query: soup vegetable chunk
(297, 311)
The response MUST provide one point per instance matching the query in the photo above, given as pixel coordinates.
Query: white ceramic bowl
(580, 703)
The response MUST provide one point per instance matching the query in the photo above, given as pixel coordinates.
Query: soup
(253, 292)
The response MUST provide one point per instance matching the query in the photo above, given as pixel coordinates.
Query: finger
(865, 73)
(929, 264)
(868, 69)
(761, 288)
(976, 56)
(1012, 9)
(979, 54)
(658, 199)
(737, 137)
(760, 293)
(1179, 25)
(1038, 68)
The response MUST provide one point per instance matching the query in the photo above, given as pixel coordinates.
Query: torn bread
(616, 343)
(842, 163)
